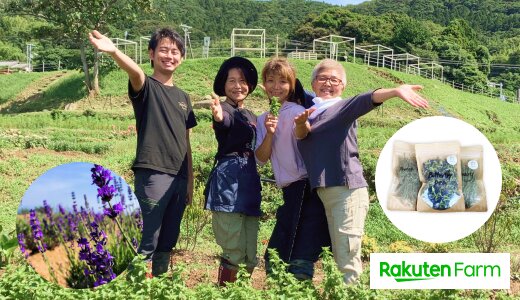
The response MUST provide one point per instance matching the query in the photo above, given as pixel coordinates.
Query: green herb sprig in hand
(274, 106)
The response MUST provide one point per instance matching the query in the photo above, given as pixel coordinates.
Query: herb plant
(274, 106)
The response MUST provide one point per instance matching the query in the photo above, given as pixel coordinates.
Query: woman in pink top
(301, 226)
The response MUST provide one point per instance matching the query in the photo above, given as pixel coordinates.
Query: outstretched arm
(104, 44)
(406, 92)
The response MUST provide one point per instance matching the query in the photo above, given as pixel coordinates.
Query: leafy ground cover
(102, 131)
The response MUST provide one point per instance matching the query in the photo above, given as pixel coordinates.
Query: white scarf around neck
(322, 104)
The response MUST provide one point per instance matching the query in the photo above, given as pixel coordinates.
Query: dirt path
(35, 90)
(58, 262)
(204, 268)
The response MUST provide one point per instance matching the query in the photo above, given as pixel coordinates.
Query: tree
(76, 18)
(410, 33)
(10, 52)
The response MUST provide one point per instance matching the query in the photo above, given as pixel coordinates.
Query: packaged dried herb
(472, 178)
(440, 173)
(405, 178)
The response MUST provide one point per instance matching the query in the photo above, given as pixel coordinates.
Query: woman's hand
(409, 94)
(216, 109)
(270, 123)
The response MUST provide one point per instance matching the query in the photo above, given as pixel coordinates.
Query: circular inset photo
(79, 225)
(438, 179)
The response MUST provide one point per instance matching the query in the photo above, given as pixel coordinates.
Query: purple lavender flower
(114, 211)
(130, 194)
(118, 184)
(61, 209)
(86, 202)
(37, 231)
(100, 261)
(139, 219)
(48, 210)
(106, 193)
(84, 252)
(35, 225)
(100, 176)
(94, 232)
(134, 242)
(73, 227)
(21, 243)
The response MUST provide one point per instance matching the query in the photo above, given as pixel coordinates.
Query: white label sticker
(473, 164)
(452, 160)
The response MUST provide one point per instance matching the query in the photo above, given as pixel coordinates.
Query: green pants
(237, 234)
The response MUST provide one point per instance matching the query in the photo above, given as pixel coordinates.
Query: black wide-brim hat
(244, 64)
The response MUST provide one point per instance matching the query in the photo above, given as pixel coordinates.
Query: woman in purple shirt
(301, 227)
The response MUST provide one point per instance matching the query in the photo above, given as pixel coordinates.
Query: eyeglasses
(333, 80)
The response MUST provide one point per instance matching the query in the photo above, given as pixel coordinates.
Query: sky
(343, 2)
(56, 186)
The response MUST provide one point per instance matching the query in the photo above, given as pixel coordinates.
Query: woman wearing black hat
(233, 188)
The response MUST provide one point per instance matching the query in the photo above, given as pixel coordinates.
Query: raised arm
(263, 152)
(406, 92)
(216, 109)
(104, 44)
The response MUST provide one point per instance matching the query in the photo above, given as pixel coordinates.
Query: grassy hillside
(100, 131)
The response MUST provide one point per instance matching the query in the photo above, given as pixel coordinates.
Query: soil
(58, 261)
(203, 268)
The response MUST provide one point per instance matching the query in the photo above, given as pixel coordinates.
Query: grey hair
(330, 64)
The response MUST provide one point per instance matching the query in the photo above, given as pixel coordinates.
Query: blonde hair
(329, 64)
(281, 66)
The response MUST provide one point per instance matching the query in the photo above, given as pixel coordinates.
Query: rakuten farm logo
(410, 272)
(439, 270)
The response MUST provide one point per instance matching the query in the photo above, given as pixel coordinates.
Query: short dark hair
(167, 33)
(245, 65)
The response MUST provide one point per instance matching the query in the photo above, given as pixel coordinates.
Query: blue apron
(234, 185)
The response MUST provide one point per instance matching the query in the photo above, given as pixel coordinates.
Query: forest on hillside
(476, 41)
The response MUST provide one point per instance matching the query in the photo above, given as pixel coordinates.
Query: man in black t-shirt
(163, 166)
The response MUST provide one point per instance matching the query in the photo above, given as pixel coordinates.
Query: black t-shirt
(236, 133)
(162, 114)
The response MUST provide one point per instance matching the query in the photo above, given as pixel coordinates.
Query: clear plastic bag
(405, 178)
(472, 178)
(440, 174)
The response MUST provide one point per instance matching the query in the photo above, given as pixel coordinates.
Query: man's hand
(189, 193)
(101, 42)
(216, 109)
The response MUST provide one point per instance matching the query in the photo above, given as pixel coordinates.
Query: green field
(35, 137)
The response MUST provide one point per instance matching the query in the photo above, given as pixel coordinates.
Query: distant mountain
(483, 15)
